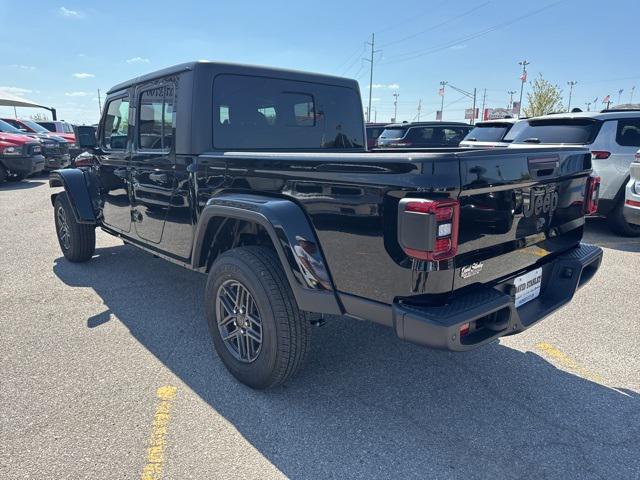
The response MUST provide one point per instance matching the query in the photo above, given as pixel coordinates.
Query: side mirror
(23, 130)
(86, 137)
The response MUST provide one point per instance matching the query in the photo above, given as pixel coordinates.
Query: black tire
(284, 330)
(619, 225)
(3, 173)
(77, 240)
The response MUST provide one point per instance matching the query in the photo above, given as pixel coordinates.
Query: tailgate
(516, 208)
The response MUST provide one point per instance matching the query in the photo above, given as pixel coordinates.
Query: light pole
(588, 104)
(631, 95)
(571, 84)
(441, 92)
(510, 92)
(523, 79)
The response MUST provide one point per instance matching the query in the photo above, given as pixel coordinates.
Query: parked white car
(632, 199)
(489, 134)
(613, 138)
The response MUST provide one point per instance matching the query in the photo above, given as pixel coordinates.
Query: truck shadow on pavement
(369, 406)
(22, 185)
(597, 232)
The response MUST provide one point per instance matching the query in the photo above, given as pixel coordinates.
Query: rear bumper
(24, 165)
(491, 311)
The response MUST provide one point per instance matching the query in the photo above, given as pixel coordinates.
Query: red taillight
(633, 203)
(464, 329)
(443, 229)
(591, 195)
(600, 155)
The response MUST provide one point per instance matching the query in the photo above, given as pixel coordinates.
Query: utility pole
(511, 93)
(523, 79)
(441, 92)
(484, 99)
(571, 84)
(473, 109)
(373, 51)
(395, 106)
(419, 108)
(99, 104)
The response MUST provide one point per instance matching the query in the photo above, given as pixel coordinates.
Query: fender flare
(294, 239)
(77, 186)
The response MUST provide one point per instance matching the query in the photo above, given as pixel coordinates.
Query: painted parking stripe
(158, 440)
(567, 362)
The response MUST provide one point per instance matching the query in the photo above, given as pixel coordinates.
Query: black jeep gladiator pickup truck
(260, 178)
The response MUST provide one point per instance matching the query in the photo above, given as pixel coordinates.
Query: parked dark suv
(423, 135)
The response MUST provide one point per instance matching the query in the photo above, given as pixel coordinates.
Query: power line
(444, 46)
(409, 37)
(430, 10)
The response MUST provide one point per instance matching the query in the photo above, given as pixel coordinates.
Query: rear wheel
(619, 225)
(257, 329)
(77, 240)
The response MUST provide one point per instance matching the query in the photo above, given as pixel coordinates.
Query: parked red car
(60, 128)
(20, 156)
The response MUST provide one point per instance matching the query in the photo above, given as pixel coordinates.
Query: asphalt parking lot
(107, 372)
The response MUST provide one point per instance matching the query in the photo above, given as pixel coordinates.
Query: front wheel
(257, 329)
(77, 240)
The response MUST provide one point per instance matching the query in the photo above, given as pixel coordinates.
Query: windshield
(555, 131)
(393, 133)
(34, 126)
(49, 126)
(487, 133)
(6, 128)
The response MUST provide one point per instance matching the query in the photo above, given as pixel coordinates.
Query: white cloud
(458, 47)
(83, 75)
(65, 12)
(22, 67)
(15, 90)
(391, 86)
(76, 94)
(82, 55)
(138, 60)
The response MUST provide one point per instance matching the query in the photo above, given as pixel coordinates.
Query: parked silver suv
(613, 136)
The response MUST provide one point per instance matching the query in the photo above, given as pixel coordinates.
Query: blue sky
(60, 54)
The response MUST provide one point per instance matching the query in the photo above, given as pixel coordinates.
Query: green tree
(544, 98)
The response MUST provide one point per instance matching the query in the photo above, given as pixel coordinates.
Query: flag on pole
(441, 92)
(620, 91)
(595, 100)
(523, 76)
(606, 99)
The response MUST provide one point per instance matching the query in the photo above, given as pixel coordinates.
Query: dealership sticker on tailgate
(528, 286)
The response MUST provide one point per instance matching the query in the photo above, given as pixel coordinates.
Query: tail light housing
(600, 155)
(428, 229)
(591, 196)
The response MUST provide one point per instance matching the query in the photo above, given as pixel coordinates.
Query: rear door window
(155, 118)
(628, 132)
(577, 131)
(49, 126)
(251, 113)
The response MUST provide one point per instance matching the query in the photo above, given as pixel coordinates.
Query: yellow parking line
(158, 441)
(566, 361)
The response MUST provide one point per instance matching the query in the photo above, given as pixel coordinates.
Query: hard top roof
(235, 68)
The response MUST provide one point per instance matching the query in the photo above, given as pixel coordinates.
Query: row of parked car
(28, 147)
(612, 136)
